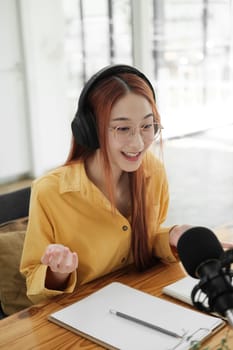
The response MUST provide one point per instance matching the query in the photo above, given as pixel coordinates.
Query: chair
(14, 205)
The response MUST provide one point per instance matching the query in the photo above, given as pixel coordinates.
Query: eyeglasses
(149, 131)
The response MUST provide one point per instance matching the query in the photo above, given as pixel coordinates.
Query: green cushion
(12, 283)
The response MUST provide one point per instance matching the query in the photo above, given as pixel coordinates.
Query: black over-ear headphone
(84, 123)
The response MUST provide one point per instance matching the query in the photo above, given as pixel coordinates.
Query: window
(191, 60)
(97, 34)
(185, 48)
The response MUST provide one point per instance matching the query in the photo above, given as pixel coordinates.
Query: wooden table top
(30, 329)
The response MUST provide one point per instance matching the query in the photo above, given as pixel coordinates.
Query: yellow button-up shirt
(67, 208)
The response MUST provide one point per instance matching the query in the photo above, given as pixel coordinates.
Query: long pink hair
(101, 100)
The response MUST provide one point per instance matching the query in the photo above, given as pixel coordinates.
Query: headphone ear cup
(84, 130)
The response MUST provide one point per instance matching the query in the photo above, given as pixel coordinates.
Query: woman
(104, 208)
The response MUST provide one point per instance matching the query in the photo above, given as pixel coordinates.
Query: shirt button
(124, 228)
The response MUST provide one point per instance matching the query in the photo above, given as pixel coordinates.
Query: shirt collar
(71, 178)
(74, 177)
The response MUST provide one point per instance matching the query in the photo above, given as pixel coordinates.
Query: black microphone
(204, 258)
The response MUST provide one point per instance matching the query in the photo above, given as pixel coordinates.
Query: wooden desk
(30, 329)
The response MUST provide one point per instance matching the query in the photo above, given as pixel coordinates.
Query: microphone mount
(214, 292)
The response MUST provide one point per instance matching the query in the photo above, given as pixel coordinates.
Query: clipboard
(92, 319)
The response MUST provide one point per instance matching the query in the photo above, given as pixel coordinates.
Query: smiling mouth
(131, 155)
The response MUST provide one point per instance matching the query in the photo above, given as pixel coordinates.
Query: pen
(144, 323)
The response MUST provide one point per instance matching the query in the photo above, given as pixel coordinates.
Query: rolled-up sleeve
(162, 248)
(39, 235)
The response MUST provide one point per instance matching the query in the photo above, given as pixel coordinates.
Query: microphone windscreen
(198, 245)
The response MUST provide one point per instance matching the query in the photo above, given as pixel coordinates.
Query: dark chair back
(14, 205)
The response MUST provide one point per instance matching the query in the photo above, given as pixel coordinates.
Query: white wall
(35, 126)
(14, 154)
(43, 33)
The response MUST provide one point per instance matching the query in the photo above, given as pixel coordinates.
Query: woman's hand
(227, 245)
(60, 259)
(61, 262)
(176, 232)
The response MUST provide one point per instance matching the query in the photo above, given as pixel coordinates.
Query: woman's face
(127, 142)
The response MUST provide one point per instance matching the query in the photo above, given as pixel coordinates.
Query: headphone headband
(109, 71)
(84, 124)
